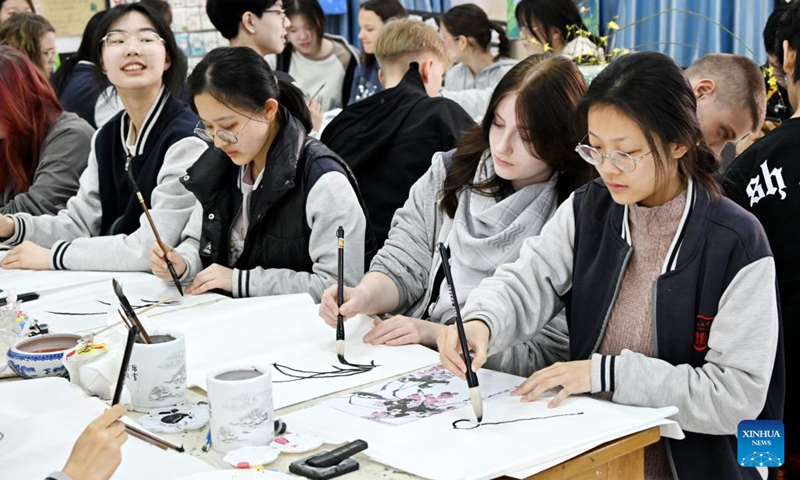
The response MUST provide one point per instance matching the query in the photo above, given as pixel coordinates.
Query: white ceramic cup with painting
(240, 399)
(156, 375)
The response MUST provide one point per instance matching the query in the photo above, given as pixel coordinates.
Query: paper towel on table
(95, 366)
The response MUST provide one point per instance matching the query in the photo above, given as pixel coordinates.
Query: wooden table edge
(599, 455)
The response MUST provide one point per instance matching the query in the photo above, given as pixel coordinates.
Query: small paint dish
(296, 443)
(176, 419)
(41, 356)
(251, 456)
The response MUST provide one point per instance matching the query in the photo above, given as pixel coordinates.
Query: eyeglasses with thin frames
(226, 136)
(281, 11)
(147, 40)
(623, 161)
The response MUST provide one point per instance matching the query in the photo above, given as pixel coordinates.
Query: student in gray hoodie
(468, 36)
(669, 287)
(481, 200)
(467, 33)
(102, 226)
(43, 149)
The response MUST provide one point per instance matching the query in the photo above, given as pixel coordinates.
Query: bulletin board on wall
(194, 32)
(69, 17)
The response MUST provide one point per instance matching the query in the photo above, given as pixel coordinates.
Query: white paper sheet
(287, 330)
(87, 307)
(24, 281)
(48, 438)
(420, 394)
(41, 419)
(432, 448)
(25, 398)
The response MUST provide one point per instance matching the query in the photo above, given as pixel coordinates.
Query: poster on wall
(69, 18)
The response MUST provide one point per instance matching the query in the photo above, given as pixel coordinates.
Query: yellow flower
(612, 25)
(584, 9)
(772, 82)
(547, 47)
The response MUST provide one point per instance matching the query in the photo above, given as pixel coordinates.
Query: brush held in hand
(175, 278)
(126, 358)
(472, 378)
(340, 297)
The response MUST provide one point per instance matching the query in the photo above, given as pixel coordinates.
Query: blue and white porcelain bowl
(40, 356)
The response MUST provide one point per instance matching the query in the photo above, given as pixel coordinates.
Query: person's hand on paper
(315, 109)
(28, 256)
(159, 266)
(402, 330)
(450, 352)
(6, 226)
(572, 377)
(355, 299)
(96, 454)
(215, 276)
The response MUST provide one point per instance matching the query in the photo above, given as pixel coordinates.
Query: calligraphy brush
(138, 192)
(126, 306)
(472, 379)
(123, 369)
(340, 298)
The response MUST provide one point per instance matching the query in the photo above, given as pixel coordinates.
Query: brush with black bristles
(126, 307)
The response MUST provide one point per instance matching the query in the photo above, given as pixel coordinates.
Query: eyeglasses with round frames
(623, 161)
(146, 39)
(226, 136)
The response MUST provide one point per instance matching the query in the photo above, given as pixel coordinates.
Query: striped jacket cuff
(19, 231)
(241, 283)
(603, 373)
(57, 255)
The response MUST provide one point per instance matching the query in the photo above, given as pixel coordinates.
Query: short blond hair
(739, 82)
(402, 41)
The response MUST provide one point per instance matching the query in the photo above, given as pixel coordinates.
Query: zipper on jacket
(230, 233)
(613, 298)
(653, 317)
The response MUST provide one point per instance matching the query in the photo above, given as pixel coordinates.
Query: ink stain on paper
(336, 371)
(144, 304)
(470, 425)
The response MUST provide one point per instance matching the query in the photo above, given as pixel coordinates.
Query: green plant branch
(687, 12)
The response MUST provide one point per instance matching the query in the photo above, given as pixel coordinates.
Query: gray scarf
(486, 233)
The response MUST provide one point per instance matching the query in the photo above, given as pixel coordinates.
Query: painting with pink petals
(420, 394)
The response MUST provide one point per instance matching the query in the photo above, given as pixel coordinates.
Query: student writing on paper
(271, 197)
(731, 101)
(669, 287)
(43, 149)
(97, 452)
(483, 199)
(471, 39)
(102, 226)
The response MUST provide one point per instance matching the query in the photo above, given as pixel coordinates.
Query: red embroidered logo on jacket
(702, 326)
